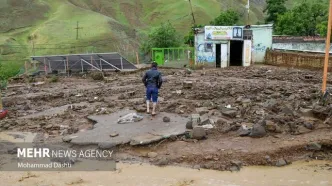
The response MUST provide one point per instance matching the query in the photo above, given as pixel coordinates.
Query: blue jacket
(152, 78)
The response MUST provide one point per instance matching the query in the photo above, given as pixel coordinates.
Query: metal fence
(173, 57)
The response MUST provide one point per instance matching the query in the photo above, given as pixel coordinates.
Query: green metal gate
(173, 57)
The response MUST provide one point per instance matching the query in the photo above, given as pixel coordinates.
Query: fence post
(137, 58)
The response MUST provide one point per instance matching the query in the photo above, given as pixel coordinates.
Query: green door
(159, 56)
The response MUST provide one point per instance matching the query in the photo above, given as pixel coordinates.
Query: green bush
(8, 70)
(54, 79)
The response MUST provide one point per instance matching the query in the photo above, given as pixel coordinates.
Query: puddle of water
(298, 174)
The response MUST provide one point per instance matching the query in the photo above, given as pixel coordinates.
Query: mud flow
(259, 125)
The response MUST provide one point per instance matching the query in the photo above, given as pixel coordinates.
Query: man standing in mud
(152, 81)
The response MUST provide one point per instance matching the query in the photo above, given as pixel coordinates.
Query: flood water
(314, 173)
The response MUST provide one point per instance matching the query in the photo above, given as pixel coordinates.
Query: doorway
(236, 53)
(218, 55)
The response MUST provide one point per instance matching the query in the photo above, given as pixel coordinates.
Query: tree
(274, 9)
(303, 20)
(228, 18)
(164, 36)
(190, 38)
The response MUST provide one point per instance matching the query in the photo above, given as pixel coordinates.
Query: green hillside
(44, 27)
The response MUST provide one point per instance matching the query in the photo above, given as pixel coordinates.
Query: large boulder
(198, 133)
(257, 131)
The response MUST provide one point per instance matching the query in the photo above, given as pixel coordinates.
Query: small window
(208, 47)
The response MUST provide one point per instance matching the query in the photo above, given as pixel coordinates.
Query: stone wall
(296, 59)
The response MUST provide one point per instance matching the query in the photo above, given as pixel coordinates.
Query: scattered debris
(115, 134)
(166, 119)
(130, 118)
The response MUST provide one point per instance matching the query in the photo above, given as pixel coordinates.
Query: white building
(223, 46)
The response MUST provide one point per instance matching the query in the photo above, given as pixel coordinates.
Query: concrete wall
(262, 40)
(308, 46)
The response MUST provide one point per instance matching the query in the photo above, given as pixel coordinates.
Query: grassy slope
(108, 25)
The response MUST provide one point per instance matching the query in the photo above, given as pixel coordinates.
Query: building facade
(223, 46)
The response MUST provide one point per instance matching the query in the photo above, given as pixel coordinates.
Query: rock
(222, 121)
(197, 167)
(270, 126)
(314, 146)
(173, 137)
(321, 112)
(198, 133)
(106, 145)
(306, 112)
(207, 122)
(208, 165)
(287, 110)
(152, 154)
(302, 130)
(270, 104)
(202, 110)
(49, 126)
(208, 104)
(236, 163)
(291, 97)
(166, 119)
(140, 109)
(246, 102)
(187, 84)
(234, 169)
(243, 131)
(268, 159)
(308, 125)
(257, 131)
(281, 162)
(275, 95)
(239, 99)
(12, 150)
(229, 113)
(68, 139)
(115, 134)
(189, 125)
(162, 162)
(278, 129)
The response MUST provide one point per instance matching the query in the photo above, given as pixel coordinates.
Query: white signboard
(224, 32)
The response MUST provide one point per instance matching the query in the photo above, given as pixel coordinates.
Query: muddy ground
(261, 115)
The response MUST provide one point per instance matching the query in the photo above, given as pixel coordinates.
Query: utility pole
(327, 49)
(77, 28)
(192, 13)
(248, 7)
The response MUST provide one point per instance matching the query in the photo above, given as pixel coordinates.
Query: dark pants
(152, 92)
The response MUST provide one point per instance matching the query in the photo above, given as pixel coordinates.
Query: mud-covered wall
(309, 46)
(296, 59)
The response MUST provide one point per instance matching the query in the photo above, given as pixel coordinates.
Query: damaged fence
(308, 60)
